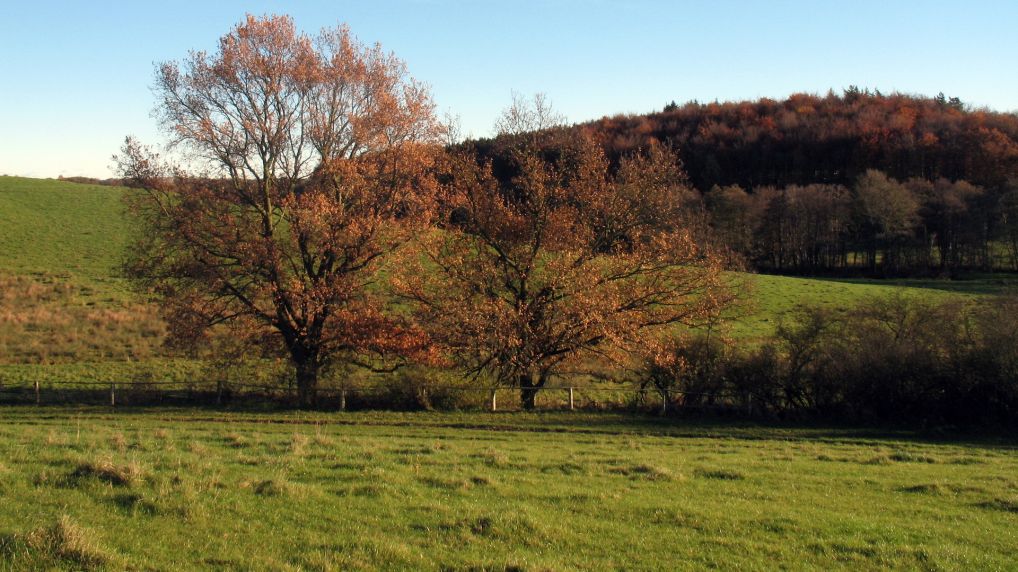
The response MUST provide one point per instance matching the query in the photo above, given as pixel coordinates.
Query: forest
(861, 183)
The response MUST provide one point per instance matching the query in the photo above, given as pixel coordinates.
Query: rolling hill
(66, 313)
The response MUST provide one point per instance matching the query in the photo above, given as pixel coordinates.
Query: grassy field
(61, 300)
(67, 229)
(64, 309)
(178, 489)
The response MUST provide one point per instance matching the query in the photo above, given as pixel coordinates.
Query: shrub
(897, 359)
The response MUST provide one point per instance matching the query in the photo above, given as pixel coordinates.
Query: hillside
(54, 227)
(62, 301)
(65, 313)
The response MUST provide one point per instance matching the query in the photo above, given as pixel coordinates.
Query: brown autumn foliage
(566, 263)
(830, 138)
(307, 161)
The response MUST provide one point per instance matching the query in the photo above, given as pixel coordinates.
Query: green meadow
(182, 489)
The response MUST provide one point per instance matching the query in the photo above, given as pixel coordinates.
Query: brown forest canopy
(809, 139)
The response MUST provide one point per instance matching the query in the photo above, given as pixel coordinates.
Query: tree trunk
(308, 369)
(529, 385)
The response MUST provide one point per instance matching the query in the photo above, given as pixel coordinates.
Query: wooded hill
(832, 139)
(860, 182)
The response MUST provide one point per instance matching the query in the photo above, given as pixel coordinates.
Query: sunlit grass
(177, 489)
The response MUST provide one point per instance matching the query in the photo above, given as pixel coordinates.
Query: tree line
(830, 139)
(876, 226)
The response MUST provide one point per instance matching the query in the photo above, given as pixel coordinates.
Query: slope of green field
(772, 298)
(61, 298)
(189, 490)
(62, 302)
(66, 229)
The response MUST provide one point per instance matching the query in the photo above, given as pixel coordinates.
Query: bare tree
(531, 116)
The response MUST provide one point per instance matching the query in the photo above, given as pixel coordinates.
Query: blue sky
(76, 75)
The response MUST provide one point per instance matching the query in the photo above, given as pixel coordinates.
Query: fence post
(571, 403)
(342, 399)
(494, 399)
(37, 398)
(113, 395)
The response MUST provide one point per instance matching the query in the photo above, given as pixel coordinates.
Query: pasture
(185, 489)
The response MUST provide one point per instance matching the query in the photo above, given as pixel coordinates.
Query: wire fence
(372, 396)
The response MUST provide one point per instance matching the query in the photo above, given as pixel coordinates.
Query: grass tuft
(925, 489)
(107, 471)
(493, 457)
(1004, 504)
(235, 440)
(911, 457)
(66, 541)
(119, 441)
(298, 444)
(268, 487)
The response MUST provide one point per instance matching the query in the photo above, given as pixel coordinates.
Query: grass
(68, 229)
(775, 297)
(168, 489)
(61, 297)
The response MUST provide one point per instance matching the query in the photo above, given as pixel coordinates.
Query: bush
(898, 359)
(417, 388)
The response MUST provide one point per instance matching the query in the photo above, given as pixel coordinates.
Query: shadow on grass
(580, 422)
(983, 285)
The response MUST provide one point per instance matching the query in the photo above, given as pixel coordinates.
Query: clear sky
(75, 77)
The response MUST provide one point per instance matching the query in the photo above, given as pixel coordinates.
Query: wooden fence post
(113, 395)
(571, 403)
(37, 397)
(494, 399)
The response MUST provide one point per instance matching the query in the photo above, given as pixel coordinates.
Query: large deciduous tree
(561, 261)
(305, 164)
